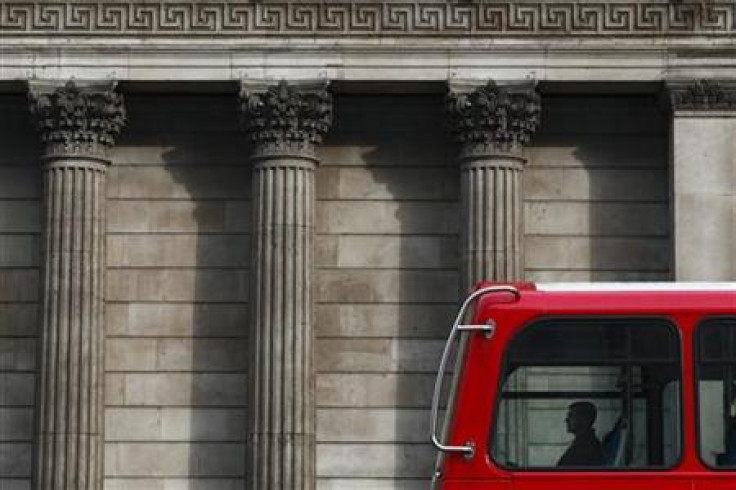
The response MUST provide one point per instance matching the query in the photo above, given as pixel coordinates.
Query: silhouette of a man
(585, 449)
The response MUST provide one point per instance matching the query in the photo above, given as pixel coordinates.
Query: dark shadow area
(21, 211)
(185, 170)
(597, 190)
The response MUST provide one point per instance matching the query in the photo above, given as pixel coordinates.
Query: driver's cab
(605, 386)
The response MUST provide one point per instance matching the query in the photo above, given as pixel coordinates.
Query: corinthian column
(284, 123)
(492, 123)
(77, 126)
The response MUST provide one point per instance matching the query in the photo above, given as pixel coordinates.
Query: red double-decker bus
(589, 387)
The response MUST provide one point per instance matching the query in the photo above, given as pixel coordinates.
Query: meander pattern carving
(249, 18)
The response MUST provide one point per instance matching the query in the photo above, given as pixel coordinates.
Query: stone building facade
(232, 234)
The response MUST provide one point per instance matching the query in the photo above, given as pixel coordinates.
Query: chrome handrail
(469, 449)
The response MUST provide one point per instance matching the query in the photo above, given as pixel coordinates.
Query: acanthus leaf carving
(73, 120)
(494, 118)
(702, 95)
(286, 118)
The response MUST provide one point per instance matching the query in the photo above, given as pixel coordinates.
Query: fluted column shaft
(491, 125)
(282, 387)
(285, 123)
(491, 230)
(70, 389)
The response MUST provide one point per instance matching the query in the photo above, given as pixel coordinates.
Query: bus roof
(635, 286)
(589, 298)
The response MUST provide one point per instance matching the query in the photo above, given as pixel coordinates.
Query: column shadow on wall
(410, 273)
(208, 161)
(21, 223)
(607, 197)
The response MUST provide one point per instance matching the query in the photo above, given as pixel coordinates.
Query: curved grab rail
(468, 450)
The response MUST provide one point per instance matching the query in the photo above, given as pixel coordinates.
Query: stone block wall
(386, 273)
(178, 253)
(20, 222)
(596, 191)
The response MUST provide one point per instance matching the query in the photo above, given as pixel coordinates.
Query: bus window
(716, 355)
(583, 394)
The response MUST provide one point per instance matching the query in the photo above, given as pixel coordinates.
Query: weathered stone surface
(20, 217)
(387, 183)
(172, 460)
(15, 484)
(371, 484)
(215, 285)
(378, 355)
(704, 205)
(374, 460)
(386, 286)
(176, 389)
(164, 483)
(18, 320)
(372, 425)
(596, 183)
(383, 320)
(596, 218)
(382, 149)
(19, 250)
(596, 276)
(177, 250)
(17, 424)
(18, 285)
(174, 424)
(386, 251)
(178, 216)
(17, 389)
(599, 149)
(385, 390)
(19, 182)
(15, 459)
(174, 354)
(17, 354)
(389, 217)
(203, 181)
(176, 319)
(598, 253)
(193, 146)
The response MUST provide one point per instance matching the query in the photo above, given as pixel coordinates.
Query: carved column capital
(76, 119)
(287, 118)
(702, 95)
(493, 119)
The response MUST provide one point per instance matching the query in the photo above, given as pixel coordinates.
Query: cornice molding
(388, 18)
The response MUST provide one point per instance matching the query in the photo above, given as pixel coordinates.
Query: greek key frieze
(243, 18)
